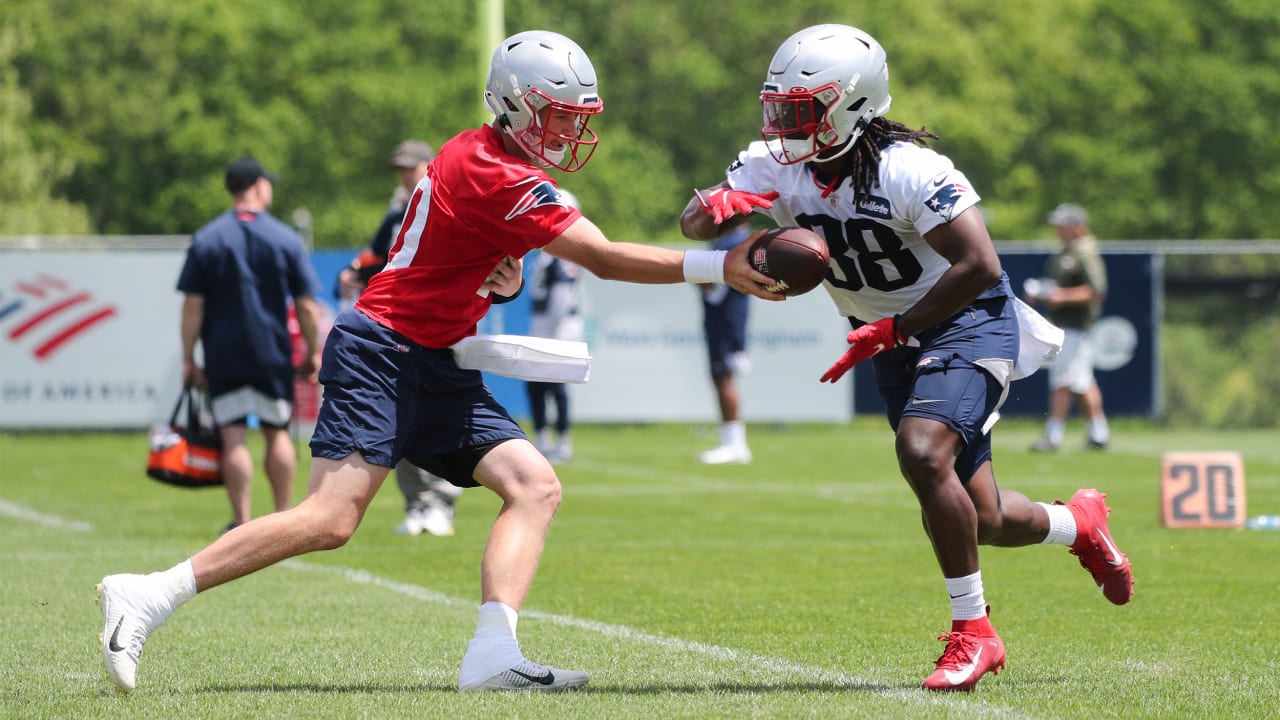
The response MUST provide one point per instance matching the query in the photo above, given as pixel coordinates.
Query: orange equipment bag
(188, 454)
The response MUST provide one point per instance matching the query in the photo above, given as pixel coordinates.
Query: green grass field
(800, 586)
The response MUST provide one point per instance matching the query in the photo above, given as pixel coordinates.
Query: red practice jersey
(476, 205)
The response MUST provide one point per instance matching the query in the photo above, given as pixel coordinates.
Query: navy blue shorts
(941, 380)
(726, 326)
(389, 398)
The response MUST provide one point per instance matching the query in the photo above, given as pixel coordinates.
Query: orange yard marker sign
(1202, 490)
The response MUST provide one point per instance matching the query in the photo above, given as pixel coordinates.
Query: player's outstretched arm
(583, 243)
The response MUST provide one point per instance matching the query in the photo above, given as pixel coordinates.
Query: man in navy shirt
(241, 271)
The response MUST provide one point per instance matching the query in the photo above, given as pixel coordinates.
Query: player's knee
(530, 485)
(920, 460)
(328, 528)
(542, 488)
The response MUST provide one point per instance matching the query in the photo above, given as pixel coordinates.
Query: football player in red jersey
(392, 388)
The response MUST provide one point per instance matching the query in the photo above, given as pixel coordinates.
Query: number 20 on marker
(1202, 490)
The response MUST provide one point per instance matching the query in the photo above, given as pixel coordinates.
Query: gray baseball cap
(411, 154)
(1069, 214)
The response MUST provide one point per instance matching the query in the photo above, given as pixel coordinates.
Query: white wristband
(704, 266)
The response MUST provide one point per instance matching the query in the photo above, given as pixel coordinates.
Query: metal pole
(489, 32)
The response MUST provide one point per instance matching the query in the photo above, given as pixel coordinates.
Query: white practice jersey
(880, 263)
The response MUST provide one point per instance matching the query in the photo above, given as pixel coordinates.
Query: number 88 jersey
(881, 264)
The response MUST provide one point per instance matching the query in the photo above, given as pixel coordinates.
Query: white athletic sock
(1054, 430)
(494, 647)
(1098, 430)
(1062, 525)
(967, 600)
(733, 433)
(179, 582)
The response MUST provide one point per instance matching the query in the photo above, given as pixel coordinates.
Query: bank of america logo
(45, 314)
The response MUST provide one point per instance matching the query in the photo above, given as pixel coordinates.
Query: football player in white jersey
(914, 270)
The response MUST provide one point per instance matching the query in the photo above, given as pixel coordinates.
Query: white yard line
(25, 513)
(752, 664)
(756, 664)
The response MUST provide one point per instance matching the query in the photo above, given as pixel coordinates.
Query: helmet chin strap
(505, 123)
(822, 155)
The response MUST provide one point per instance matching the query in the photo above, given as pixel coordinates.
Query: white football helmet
(534, 74)
(824, 85)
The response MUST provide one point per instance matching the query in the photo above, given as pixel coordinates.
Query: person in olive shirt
(1072, 292)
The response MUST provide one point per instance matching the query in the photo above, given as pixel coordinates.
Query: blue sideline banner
(1126, 338)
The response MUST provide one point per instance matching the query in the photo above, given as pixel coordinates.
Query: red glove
(869, 340)
(723, 203)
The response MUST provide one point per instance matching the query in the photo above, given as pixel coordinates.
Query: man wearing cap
(410, 161)
(1072, 292)
(241, 271)
(429, 501)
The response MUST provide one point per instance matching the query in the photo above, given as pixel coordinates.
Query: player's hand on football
(864, 342)
(505, 279)
(739, 274)
(723, 203)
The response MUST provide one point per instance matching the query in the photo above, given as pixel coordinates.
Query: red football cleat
(1097, 551)
(967, 658)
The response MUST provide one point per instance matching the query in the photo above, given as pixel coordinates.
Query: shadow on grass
(654, 689)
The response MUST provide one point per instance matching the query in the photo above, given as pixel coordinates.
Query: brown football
(797, 258)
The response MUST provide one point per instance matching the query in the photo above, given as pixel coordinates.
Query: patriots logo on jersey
(540, 195)
(944, 200)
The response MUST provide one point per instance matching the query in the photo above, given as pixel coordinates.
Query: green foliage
(1222, 377)
(1159, 116)
(27, 174)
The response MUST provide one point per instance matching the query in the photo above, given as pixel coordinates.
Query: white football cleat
(438, 520)
(412, 523)
(724, 454)
(132, 607)
(530, 676)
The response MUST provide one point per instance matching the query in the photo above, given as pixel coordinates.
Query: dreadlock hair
(879, 134)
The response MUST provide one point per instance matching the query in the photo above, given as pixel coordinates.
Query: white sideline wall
(649, 359)
(89, 339)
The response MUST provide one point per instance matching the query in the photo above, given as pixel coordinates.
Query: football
(793, 256)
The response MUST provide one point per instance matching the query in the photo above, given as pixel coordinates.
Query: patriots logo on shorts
(944, 200)
(544, 193)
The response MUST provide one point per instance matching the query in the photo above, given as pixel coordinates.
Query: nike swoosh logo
(112, 644)
(540, 679)
(955, 677)
(939, 181)
(1115, 551)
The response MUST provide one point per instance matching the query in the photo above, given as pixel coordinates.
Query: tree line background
(1160, 116)
(120, 116)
